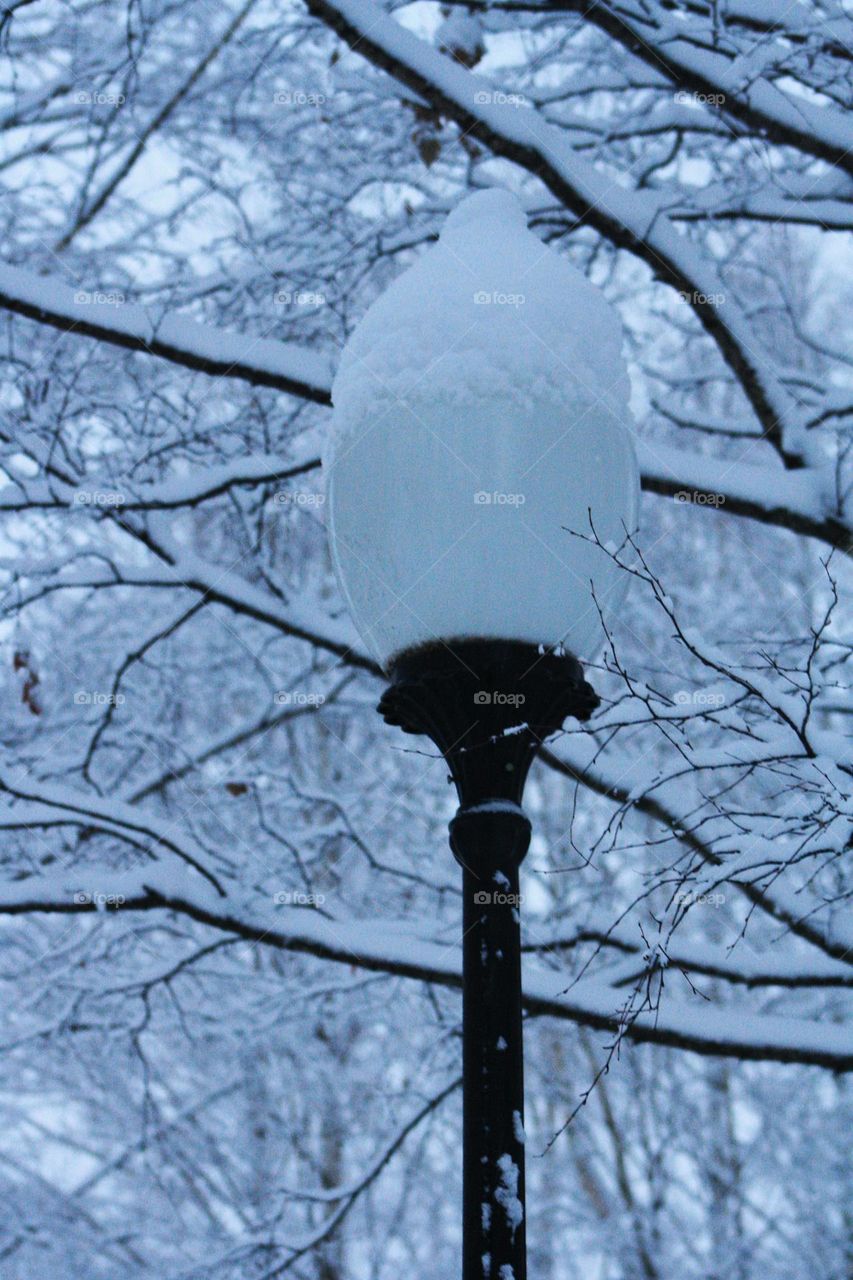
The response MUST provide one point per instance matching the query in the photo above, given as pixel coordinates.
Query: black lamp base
(488, 705)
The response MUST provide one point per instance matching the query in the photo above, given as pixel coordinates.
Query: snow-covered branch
(687, 1025)
(260, 361)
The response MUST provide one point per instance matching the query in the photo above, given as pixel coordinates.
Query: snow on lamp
(480, 415)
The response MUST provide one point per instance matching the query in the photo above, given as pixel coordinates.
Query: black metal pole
(490, 846)
(488, 705)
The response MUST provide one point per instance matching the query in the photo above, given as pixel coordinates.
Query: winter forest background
(230, 1007)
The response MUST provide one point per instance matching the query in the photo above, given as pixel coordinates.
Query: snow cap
(495, 205)
(488, 308)
(480, 415)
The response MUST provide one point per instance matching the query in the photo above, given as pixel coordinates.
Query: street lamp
(479, 420)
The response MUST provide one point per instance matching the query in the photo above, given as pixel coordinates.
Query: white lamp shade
(481, 416)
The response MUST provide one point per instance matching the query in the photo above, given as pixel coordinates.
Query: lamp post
(480, 411)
